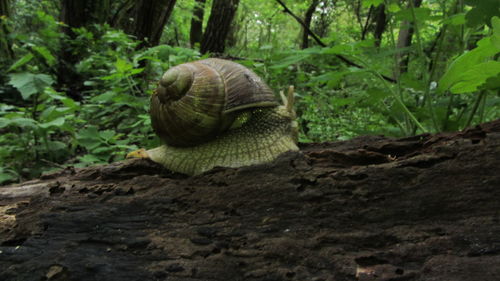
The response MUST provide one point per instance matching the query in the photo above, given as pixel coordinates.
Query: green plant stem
(401, 103)
(406, 128)
(426, 75)
(481, 95)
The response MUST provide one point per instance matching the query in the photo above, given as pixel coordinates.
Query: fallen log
(372, 208)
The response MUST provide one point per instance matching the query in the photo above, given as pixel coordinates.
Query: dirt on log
(372, 208)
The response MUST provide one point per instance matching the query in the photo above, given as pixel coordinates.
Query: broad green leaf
(293, 59)
(492, 83)
(18, 122)
(6, 177)
(337, 49)
(56, 145)
(122, 65)
(105, 97)
(375, 3)
(477, 75)
(20, 62)
(495, 38)
(54, 123)
(28, 83)
(484, 50)
(89, 159)
(88, 133)
(457, 19)
(45, 53)
(393, 8)
(107, 134)
(421, 14)
(482, 12)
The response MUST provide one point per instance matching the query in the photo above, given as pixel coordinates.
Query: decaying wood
(372, 208)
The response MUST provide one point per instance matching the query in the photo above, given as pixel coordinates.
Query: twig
(315, 37)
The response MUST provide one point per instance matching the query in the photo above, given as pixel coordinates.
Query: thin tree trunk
(5, 42)
(380, 24)
(196, 30)
(307, 22)
(219, 23)
(404, 41)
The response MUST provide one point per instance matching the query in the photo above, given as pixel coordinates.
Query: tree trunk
(196, 31)
(380, 24)
(404, 41)
(145, 19)
(219, 24)
(369, 209)
(76, 13)
(307, 22)
(5, 42)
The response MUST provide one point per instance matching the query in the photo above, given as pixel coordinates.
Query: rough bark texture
(196, 30)
(5, 42)
(145, 19)
(218, 26)
(419, 208)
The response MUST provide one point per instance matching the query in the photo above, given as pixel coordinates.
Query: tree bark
(145, 19)
(196, 31)
(5, 42)
(404, 41)
(367, 209)
(307, 22)
(218, 27)
(380, 24)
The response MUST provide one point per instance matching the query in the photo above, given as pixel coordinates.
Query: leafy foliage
(452, 78)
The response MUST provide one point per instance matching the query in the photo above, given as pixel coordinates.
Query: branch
(315, 37)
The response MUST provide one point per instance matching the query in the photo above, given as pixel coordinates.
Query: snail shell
(196, 101)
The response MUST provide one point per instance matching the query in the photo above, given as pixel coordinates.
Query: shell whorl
(197, 101)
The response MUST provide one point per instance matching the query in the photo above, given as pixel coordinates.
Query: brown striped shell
(196, 101)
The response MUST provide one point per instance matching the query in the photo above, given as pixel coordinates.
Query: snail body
(215, 112)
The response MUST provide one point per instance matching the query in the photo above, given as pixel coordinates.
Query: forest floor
(371, 208)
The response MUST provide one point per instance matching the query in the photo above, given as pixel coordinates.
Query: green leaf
(106, 97)
(470, 80)
(18, 122)
(54, 123)
(453, 75)
(90, 159)
(56, 145)
(421, 14)
(20, 62)
(29, 83)
(107, 134)
(45, 53)
(457, 19)
(122, 65)
(495, 38)
(393, 8)
(375, 3)
(482, 12)
(4, 176)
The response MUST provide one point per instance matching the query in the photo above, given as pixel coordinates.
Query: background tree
(144, 19)
(404, 40)
(76, 14)
(196, 29)
(5, 42)
(307, 21)
(218, 26)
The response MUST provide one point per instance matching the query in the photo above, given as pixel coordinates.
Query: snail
(215, 112)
